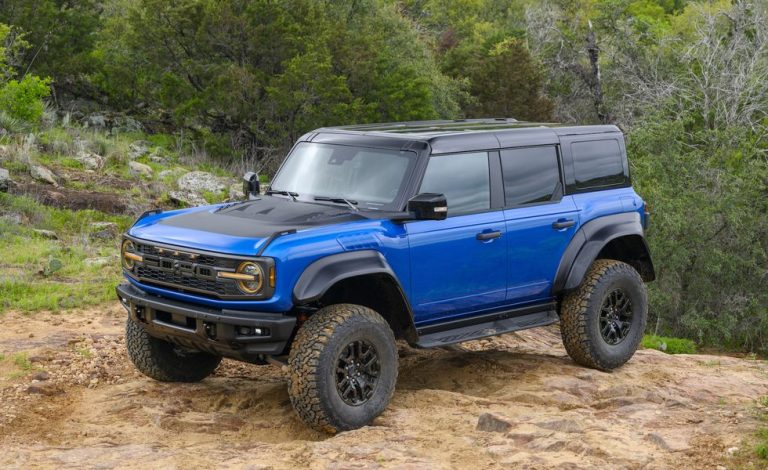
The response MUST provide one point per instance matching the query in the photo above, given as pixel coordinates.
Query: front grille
(185, 270)
(180, 255)
(169, 278)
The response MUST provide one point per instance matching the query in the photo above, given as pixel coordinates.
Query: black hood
(262, 217)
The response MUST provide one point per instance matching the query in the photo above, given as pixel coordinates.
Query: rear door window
(531, 175)
(463, 179)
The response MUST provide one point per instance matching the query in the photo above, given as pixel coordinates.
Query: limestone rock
(199, 182)
(140, 169)
(50, 234)
(91, 161)
(43, 174)
(138, 149)
(104, 230)
(5, 180)
(187, 198)
(492, 423)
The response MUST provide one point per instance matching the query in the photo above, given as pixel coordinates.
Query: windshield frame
(396, 205)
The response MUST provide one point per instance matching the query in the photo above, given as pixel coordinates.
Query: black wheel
(165, 361)
(602, 322)
(343, 368)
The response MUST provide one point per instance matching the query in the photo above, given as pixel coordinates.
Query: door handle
(563, 223)
(485, 236)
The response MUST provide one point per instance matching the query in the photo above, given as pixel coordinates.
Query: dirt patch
(538, 409)
(66, 198)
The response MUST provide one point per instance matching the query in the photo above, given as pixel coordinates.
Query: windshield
(370, 178)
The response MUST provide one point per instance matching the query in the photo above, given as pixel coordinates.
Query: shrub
(669, 345)
(24, 99)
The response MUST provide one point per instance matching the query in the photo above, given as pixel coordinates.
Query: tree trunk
(594, 82)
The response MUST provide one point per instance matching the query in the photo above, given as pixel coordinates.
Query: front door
(458, 265)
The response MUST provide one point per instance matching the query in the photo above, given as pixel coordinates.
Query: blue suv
(431, 232)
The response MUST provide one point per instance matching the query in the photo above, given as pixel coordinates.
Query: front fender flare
(323, 273)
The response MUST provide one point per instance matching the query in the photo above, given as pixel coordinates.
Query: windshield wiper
(291, 194)
(338, 200)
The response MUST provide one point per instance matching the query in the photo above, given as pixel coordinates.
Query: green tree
(60, 34)
(264, 72)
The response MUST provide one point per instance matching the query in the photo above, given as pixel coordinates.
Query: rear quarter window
(598, 164)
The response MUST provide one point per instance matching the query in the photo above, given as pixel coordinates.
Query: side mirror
(251, 187)
(428, 206)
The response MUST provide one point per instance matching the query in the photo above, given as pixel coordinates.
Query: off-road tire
(165, 361)
(312, 385)
(580, 311)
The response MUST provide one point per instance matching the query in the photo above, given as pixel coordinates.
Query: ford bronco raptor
(431, 232)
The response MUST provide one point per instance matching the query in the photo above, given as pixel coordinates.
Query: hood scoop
(262, 218)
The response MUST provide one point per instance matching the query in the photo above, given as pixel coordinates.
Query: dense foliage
(685, 79)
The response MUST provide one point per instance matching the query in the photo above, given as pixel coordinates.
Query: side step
(488, 328)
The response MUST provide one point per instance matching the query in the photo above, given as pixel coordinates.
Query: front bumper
(238, 334)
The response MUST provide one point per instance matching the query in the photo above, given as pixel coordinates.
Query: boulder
(187, 198)
(492, 423)
(170, 173)
(236, 192)
(199, 182)
(138, 149)
(5, 180)
(46, 234)
(91, 161)
(140, 169)
(104, 230)
(98, 262)
(96, 120)
(43, 174)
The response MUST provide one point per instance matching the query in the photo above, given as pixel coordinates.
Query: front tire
(343, 368)
(165, 361)
(603, 321)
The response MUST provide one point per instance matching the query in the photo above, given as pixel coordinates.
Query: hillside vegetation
(225, 86)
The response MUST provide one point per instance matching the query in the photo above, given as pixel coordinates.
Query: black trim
(323, 273)
(491, 325)
(207, 329)
(496, 180)
(146, 213)
(449, 325)
(272, 238)
(587, 243)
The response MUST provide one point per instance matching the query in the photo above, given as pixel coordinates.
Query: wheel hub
(615, 317)
(357, 372)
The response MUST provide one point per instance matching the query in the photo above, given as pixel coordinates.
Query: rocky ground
(517, 401)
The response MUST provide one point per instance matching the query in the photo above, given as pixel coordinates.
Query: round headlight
(252, 269)
(125, 249)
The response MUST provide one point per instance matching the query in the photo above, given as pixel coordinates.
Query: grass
(669, 345)
(37, 273)
(761, 446)
(19, 363)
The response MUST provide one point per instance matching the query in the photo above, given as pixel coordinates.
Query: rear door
(540, 221)
(458, 265)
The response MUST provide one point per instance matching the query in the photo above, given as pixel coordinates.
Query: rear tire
(343, 368)
(165, 361)
(603, 321)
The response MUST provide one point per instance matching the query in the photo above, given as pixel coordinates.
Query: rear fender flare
(587, 243)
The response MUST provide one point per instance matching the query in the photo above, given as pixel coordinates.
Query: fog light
(251, 331)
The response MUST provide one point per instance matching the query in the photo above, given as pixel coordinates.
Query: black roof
(458, 135)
